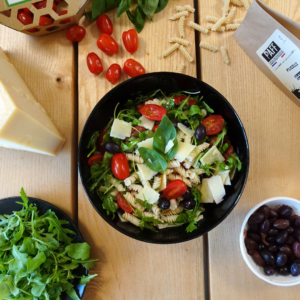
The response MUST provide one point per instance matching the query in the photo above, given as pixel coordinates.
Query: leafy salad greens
(37, 256)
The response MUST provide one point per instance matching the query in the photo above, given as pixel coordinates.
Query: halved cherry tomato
(25, 18)
(131, 40)
(94, 63)
(101, 140)
(107, 44)
(155, 128)
(213, 124)
(179, 99)
(75, 33)
(153, 112)
(133, 68)
(95, 158)
(192, 102)
(46, 20)
(123, 203)
(139, 106)
(135, 131)
(104, 24)
(120, 166)
(175, 189)
(113, 73)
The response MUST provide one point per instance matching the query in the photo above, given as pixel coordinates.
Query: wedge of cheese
(212, 190)
(24, 124)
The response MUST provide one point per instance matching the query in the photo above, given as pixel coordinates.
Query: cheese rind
(24, 124)
(184, 149)
(146, 172)
(212, 155)
(189, 132)
(146, 122)
(120, 129)
(149, 194)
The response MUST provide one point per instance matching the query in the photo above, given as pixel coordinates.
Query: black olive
(174, 122)
(269, 270)
(186, 123)
(296, 222)
(295, 269)
(268, 257)
(282, 237)
(189, 204)
(281, 259)
(200, 132)
(265, 226)
(254, 235)
(265, 210)
(285, 211)
(261, 246)
(164, 203)
(188, 195)
(112, 147)
(284, 271)
(256, 218)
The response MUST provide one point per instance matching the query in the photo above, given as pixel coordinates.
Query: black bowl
(169, 83)
(9, 205)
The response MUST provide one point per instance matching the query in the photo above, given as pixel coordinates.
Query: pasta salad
(160, 158)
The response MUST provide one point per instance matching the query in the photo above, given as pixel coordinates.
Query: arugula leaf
(195, 109)
(148, 7)
(220, 137)
(144, 203)
(4, 290)
(208, 108)
(139, 19)
(85, 279)
(19, 234)
(161, 5)
(92, 144)
(78, 251)
(37, 290)
(109, 205)
(72, 294)
(153, 160)
(34, 263)
(147, 221)
(24, 198)
(123, 7)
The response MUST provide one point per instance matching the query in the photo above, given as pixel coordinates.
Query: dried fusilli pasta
(179, 15)
(212, 19)
(170, 212)
(194, 154)
(208, 46)
(138, 159)
(186, 54)
(156, 182)
(220, 29)
(199, 171)
(187, 139)
(172, 177)
(198, 27)
(131, 200)
(181, 27)
(230, 15)
(189, 8)
(232, 26)
(118, 186)
(169, 219)
(168, 171)
(226, 7)
(131, 179)
(173, 164)
(220, 22)
(143, 181)
(238, 21)
(132, 219)
(236, 2)
(193, 177)
(170, 50)
(114, 192)
(135, 187)
(245, 4)
(173, 204)
(179, 41)
(224, 54)
(180, 8)
(156, 209)
(180, 68)
(181, 171)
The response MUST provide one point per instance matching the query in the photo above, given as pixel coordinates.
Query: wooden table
(54, 68)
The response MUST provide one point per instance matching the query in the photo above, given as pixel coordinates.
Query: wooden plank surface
(130, 269)
(46, 64)
(272, 125)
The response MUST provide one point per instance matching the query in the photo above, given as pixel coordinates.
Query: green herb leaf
(78, 251)
(148, 7)
(98, 8)
(4, 290)
(34, 263)
(153, 160)
(109, 205)
(123, 7)
(24, 198)
(85, 279)
(37, 290)
(93, 143)
(195, 109)
(139, 19)
(72, 294)
(130, 17)
(208, 108)
(161, 5)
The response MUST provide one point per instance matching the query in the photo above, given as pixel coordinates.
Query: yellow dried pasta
(138, 159)
(245, 4)
(180, 8)
(135, 187)
(232, 26)
(212, 19)
(224, 54)
(208, 46)
(131, 179)
(181, 27)
(236, 2)
(179, 15)
(226, 7)
(132, 201)
(220, 29)
(198, 27)
(189, 8)
(238, 21)
(220, 22)
(230, 15)
(156, 182)
(132, 219)
(179, 41)
(180, 68)
(173, 164)
(170, 212)
(170, 50)
(186, 54)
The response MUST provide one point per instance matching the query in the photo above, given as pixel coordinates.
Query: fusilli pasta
(118, 186)
(226, 7)
(132, 219)
(180, 68)
(208, 46)
(245, 4)
(173, 164)
(131, 200)
(143, 181)
(156, 209)
(220, 22)
(181, 171)
(224, 54)
(156, 182)
(138, 159)
(189, 8)
(131, 179)
(238, 21)
(220, 29)
(179, 41)
(170, 50)
(169, 219)
(181, 27)
(180, 8)
(194, 154)
(212, 19)
(232, 26)
(179, 15)
(193, 177)
(230, 15)
(186, 54)
(198, 27)
(236, 2)
(199, 171)
(154, 101)
(172, 177)
(135, 187)
(170, 212)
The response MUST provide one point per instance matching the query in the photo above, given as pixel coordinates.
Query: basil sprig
(157, 159)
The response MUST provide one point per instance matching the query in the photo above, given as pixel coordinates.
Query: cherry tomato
(139, 106)
(179, 99)
(43, 4)
(101, 140)
(25, 18)
(57, 1)
(113, 73)
(104, 24)
(153, 112)
(155, 128)
(94, 63)
(95, 158)
(213, 124)
(65, 21)
(27, 10)
(175, 189)
(192, 102)
(75, 33)
(228, 153)
(107, 44)
(133, 68)
(135, 131)
(123, 203)
(63, 12)
(120, 166)
(130, 40)
(45, 21)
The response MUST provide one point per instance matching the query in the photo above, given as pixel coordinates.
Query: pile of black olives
(273, 240)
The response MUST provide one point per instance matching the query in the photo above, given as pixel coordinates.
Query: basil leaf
(195, 109)
(130, 17)
(161, 5)
(164, 133)
(139, 19)
(78, 251)
(123, 7)
(153, 160)
(111, 4)
(148, 7)
(98, 8)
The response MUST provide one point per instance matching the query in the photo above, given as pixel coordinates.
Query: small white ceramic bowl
(257, 270)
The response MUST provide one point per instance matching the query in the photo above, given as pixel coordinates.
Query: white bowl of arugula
(165, 165)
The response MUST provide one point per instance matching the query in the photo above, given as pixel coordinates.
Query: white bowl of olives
(270, 241)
